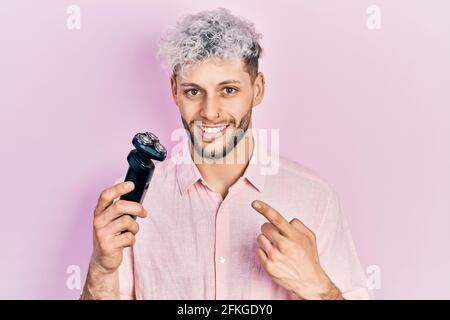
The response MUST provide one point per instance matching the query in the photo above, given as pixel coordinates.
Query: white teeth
(213, 130)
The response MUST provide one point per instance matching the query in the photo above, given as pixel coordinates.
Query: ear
(173, 86)
(259, 89)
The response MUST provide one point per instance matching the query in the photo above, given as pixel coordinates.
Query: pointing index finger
(273, 216)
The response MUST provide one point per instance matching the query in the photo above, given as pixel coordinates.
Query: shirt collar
(254, 173)
(188, 174)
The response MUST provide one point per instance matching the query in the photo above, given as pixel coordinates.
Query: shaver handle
(141, 176)
(141, 183)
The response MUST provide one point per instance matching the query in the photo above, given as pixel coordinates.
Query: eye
(228, 90)
(189, 90)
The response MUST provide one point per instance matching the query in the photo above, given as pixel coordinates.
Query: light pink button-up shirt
(196, 245)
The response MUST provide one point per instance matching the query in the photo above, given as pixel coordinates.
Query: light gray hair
(208, 34)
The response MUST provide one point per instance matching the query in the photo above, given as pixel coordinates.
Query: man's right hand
(114, 230)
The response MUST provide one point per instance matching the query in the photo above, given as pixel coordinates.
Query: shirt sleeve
(126, 275)
(337, 252)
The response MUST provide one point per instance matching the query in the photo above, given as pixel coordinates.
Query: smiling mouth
(210, 133)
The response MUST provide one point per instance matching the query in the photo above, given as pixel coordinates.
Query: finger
(297, 224)
(263, 258)
(273, 216)
(265, 244)
(121, 207)
(271, 232)
(124, 223)
(123, 240)
(107, 196)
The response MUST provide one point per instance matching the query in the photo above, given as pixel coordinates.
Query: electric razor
(141, 166)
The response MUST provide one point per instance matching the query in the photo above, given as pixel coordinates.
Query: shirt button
(222, 259)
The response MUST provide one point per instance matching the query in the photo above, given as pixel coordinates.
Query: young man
(222, 229)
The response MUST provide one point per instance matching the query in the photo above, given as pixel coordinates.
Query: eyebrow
(189, 84)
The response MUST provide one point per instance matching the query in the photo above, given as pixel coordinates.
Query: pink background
(367, 109)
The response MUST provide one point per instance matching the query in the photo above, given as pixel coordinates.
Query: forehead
(215, 70)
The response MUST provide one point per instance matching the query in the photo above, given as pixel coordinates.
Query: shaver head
(148, 143)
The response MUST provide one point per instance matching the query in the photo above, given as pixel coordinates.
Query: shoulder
(299, 191)
(299, 176)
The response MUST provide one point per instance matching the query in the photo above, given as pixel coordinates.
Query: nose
(210, 109)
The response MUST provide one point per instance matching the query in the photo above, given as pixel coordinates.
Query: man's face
(215, 98)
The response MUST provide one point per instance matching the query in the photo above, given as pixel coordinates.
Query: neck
(221, 176)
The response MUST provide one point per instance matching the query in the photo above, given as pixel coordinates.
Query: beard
(237, 135)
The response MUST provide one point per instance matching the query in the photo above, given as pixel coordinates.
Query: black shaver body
(141, 166)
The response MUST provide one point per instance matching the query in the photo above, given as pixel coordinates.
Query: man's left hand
(288, 253)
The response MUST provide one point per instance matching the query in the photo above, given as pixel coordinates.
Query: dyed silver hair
(208, 34)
